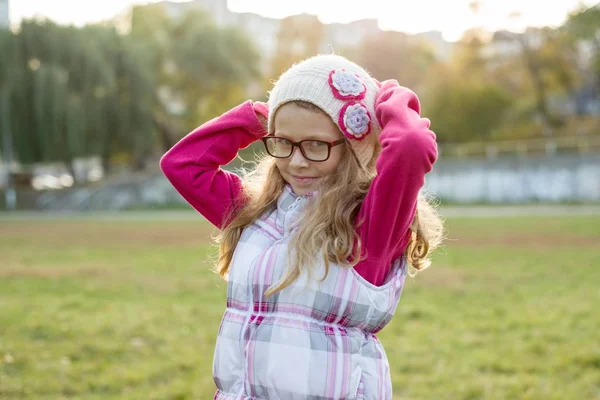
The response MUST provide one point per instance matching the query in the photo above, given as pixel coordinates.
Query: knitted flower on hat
(339, 87)
(355, 121)
(346, 86)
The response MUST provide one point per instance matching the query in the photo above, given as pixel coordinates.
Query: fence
(523, 148)
(553, 178)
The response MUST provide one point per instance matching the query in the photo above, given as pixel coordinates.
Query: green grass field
(100, 309)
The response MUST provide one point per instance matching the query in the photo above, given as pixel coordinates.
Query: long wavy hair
(329, 222)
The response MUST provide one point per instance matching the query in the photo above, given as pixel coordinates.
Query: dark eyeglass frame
(330, 145)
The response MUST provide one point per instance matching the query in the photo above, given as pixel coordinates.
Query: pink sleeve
(193, 164)
(409, 151)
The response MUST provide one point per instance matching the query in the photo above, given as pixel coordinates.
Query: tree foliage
(584, 25)
(68, 92)
(201, 69)
(461, 109)
(74, 92)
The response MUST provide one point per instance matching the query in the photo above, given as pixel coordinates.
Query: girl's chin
(301, 190)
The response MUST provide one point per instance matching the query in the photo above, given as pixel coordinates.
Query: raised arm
(408, 152)
(193, 165)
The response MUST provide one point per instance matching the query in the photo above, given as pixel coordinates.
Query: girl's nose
(297, 159)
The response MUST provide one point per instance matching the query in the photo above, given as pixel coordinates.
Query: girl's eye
(317, 144)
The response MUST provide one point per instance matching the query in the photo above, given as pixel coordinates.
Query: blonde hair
(328, 226)
(427, 233)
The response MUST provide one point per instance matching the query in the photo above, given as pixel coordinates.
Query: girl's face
(297, 123)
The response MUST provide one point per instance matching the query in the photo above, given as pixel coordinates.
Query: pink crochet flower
(355, 120)
(346, 85)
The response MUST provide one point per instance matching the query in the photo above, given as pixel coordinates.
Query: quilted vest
(312, 340)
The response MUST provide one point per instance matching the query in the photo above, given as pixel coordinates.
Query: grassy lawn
(98, 309)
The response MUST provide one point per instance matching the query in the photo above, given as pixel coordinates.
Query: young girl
(317, 241)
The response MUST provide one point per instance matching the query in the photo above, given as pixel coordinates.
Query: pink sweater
(408, 153)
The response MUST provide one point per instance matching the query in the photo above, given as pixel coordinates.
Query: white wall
(560, 178)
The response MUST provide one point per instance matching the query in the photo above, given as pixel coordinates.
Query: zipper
(295, 203)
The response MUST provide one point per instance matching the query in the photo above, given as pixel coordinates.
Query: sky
(451, 17)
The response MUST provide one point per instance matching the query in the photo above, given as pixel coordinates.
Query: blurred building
(264, 30)
(506, 44)
(441, 47)
(4, 17)
(342, 36)
(216, 8)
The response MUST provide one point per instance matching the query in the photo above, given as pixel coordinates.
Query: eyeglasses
(312, 150)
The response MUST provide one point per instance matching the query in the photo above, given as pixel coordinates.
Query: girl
(317, 241)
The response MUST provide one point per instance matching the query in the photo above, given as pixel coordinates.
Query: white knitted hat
(339, 87)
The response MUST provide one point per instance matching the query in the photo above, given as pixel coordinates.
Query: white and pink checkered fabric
(313, 340)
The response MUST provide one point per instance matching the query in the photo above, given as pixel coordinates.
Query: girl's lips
(304, 179)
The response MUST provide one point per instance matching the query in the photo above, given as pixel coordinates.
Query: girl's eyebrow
(310, 137)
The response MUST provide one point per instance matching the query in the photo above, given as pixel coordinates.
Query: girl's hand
(262, 120)
(394, 102)
(262, 113)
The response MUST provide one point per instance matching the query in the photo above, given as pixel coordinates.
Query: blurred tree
(469, 57)
(201, 70)
(7, 79)
(560, 57)
(546, 62)
(468, 54)
(460, 98)
(76, 92)
(7, 49)
(396, 55)
(463, 109)
(529, 44)
(584, 25)
(550, 59)
(150, 28)
(213, 66)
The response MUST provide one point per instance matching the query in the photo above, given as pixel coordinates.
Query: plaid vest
(314, 339)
